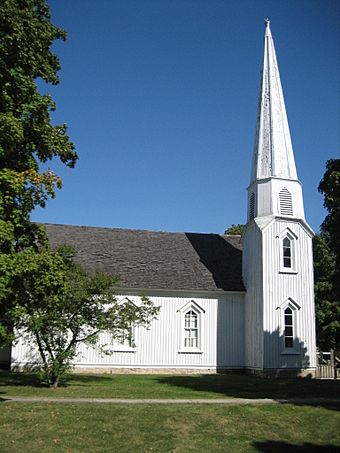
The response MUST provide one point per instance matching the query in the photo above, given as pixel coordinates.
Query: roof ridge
(125, 229)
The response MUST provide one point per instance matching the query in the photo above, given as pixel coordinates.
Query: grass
(72, 428)
(167, 428)
(167, 386)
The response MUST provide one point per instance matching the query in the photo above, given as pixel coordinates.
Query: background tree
(330, 188)
(327, 261)
(235, 229)
(61, 306)
(326, 301)
(28, 139)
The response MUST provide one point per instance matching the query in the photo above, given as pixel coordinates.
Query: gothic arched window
(191, 330)
(191, 325)
(288, 328)
(287, 252)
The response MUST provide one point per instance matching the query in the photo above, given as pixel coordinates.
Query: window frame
(288, 234)
(294, 307)
(193, 307)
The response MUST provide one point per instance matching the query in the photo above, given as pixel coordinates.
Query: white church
(226, 302)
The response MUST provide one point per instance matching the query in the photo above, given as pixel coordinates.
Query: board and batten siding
(280, 287)
(221, 344)
(270, 288)
(252, 272)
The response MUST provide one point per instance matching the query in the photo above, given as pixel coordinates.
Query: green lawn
(168, 386)
(167, 428)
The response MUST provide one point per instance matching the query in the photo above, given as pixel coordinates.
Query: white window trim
(295, 307)
(118, 347)
(191, 306)
(288, 233)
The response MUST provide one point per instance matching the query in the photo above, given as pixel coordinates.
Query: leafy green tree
(330, 188)
(28, 139)
(326, 302)
(61, 306)
(235, 229)
(327, 261)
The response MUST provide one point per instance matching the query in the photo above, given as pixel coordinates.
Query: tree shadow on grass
(88, 379)
(271, 446)
(243, 386)
(25, 379)
(8, 378)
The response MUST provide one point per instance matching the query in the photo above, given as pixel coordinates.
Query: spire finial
(267, 31)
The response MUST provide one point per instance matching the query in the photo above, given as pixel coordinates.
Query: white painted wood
(273, 152)
(222, 338)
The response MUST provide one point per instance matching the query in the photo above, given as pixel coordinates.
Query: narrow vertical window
(191, 330)
(191, 326)
(288, 331)
(287, 252)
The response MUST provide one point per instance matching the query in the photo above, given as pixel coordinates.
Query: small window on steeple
(288, 328)
(287, 252)
(252, 206)
(286, 203)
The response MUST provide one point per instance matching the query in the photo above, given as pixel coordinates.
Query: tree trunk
(54, 382)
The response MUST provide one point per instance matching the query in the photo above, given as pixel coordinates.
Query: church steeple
(277, 260)
(273, 152)
(274, 186)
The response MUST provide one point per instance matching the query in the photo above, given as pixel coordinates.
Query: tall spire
(273, 152)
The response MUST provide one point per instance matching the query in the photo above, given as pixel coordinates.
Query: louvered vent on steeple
(286, 203)
(252, 206)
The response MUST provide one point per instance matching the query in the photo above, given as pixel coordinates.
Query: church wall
(252, 278)
(281, 287)
(221, 344)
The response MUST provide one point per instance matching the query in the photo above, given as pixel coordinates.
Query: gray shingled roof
(156, 260)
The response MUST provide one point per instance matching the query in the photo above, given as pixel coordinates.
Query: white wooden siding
(278, 287)
(268, 288)
(222, 338)
(253, 281)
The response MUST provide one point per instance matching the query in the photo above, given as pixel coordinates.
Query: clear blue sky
(160, 98)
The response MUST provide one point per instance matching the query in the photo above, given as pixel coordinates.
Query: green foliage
(61, 306)
(235, 229)
(327, 261)
(27, 136)
(326, 302)
(330, 188)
